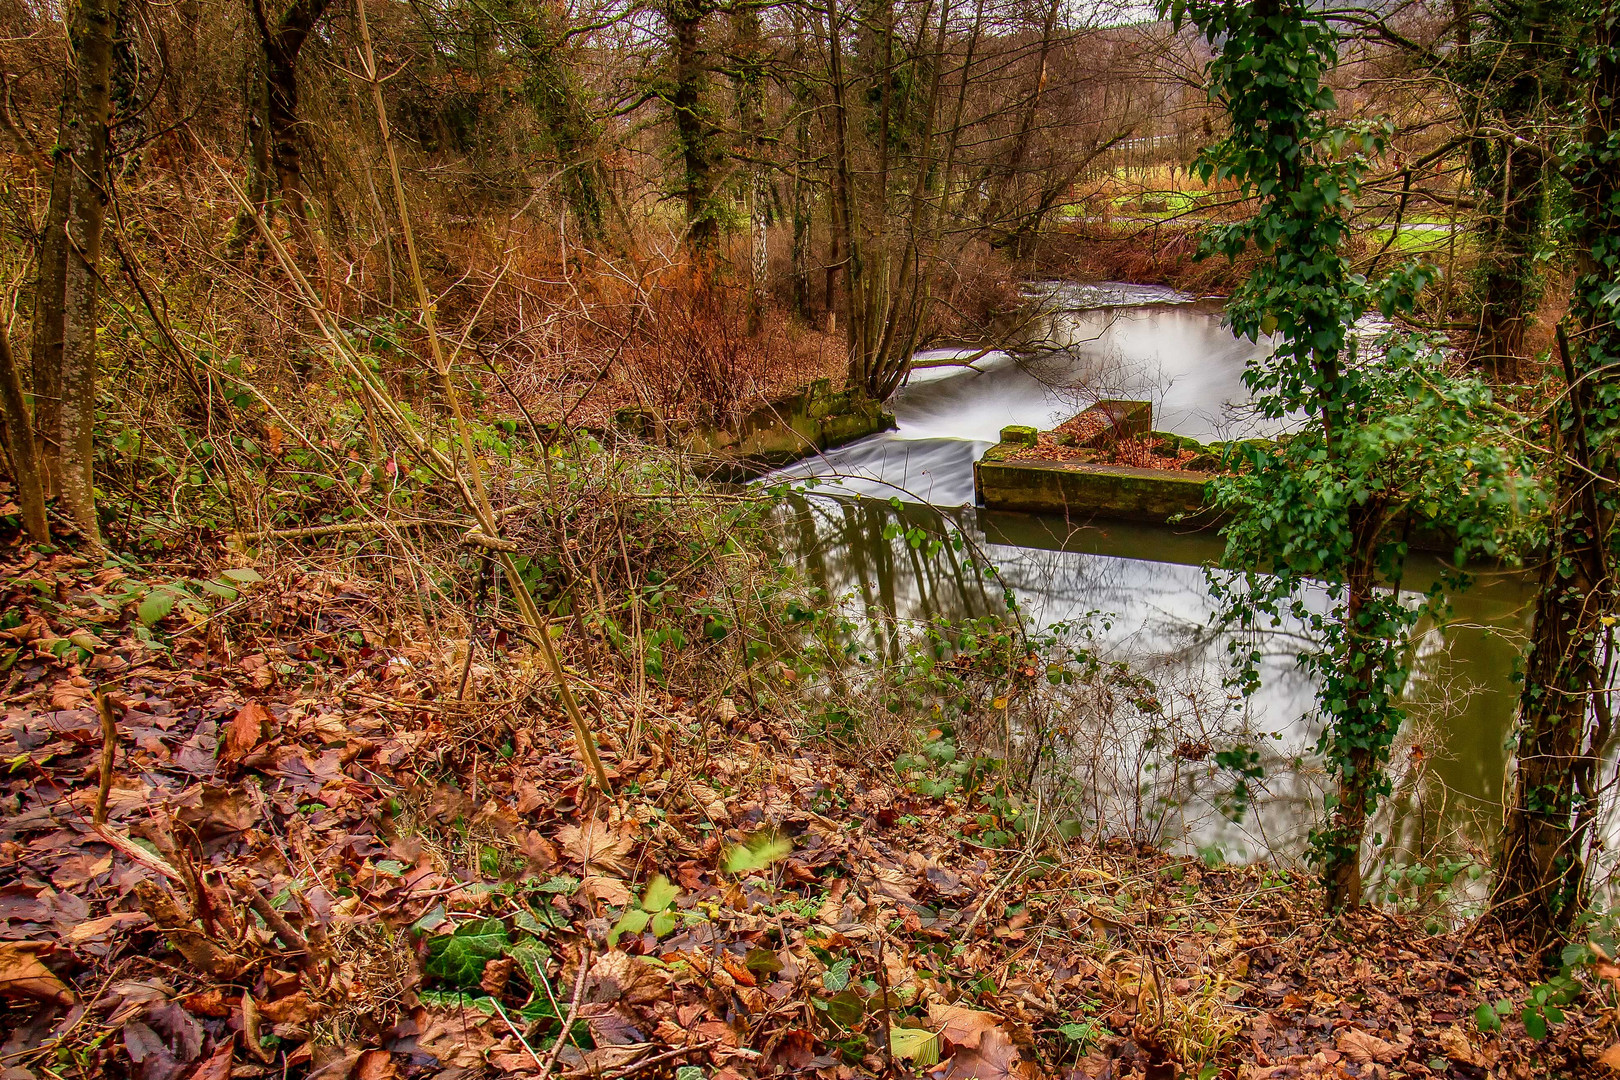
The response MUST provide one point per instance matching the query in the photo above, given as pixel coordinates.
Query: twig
(573, 1012)
(657, 1058)
(272, 918)
(518, 1034)
(109, 748)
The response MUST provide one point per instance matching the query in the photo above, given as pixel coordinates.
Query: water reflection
(1145, 590)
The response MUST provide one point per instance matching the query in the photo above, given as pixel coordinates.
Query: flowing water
(1144, 590)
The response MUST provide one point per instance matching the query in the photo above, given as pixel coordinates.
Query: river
(1144, 592)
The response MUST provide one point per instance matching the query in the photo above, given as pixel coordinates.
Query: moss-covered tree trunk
(21, 452)
(696, 135)
(1564, 708)
(92, 28)
(46, 351)
(281, 42)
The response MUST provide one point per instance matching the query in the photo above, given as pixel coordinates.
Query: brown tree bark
(1565, 721)
(696, 136)
(281, 42)
(92, 29)
(48, 316)
(20, 449)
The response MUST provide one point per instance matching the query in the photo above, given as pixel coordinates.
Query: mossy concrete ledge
(768, 437)
(1082, 489)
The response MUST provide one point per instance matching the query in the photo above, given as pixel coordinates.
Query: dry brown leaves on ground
(314, 864)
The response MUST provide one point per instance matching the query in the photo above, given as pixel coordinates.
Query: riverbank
(328, 851)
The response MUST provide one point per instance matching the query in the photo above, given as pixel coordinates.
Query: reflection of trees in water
(1159, 617)
(844, 550)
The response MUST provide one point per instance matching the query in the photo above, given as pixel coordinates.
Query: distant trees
(281, 38)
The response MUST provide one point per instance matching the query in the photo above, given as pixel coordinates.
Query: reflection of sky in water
(1148, 584)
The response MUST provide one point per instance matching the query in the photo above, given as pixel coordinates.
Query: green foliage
(653, 909)
(760, 851)
(459, 957)
(1391, 442)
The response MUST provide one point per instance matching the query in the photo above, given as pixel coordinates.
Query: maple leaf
(595, 844)
(1364, 1048)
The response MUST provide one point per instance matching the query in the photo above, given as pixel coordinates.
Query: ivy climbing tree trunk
(1564, 708)
(1319, 508)
(1520, 77)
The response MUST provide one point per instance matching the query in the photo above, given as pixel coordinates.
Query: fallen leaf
(23, 976)
(608, 890)
(964, 1027)
(496, 974)
(245, 732)
(1364, 1048)
(95, 929)
(993, 1058)
(594, 844)
(618, 976)
(709, 801)
(1454, 1041)
(376, 1065)
(915, 1044)
(215, 1067)
(293, 1009)
(1611, 1057)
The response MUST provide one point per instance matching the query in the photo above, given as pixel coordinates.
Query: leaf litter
(315, 861)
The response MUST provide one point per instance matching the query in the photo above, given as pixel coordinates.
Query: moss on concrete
(776, 434)
(1079, 489)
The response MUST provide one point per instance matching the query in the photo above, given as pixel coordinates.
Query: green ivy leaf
(459, 957)
(455, 999)
(836, 977)
(432, 920)
(531, 957)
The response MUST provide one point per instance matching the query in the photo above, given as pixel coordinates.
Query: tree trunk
(1347, 825)
(695, 134)
(93, 28)
(20, 448)
(281, 44)
(1511, 286)
(48, 316)
(1564, 706)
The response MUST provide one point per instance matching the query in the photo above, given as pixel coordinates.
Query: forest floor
(328, 851)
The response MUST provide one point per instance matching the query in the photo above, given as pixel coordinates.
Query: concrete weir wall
(1080, 489)
(775, 434)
